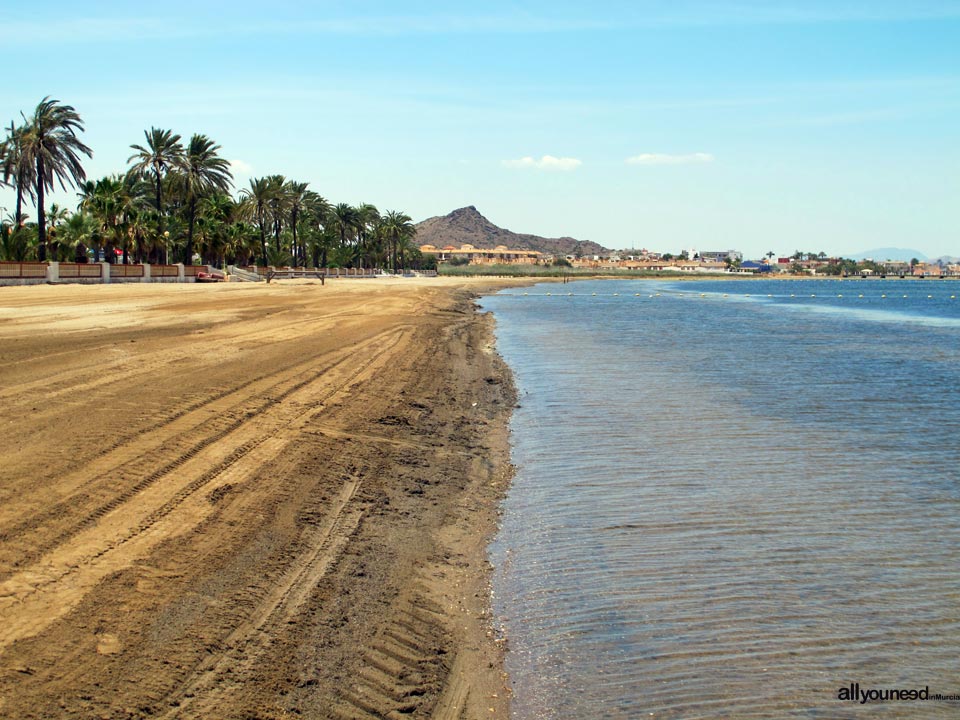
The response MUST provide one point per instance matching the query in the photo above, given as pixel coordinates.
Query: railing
(244, 274)
(23, 270)
(192, 270)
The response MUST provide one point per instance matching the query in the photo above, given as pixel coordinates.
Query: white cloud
(239, 167)
(666, 159)
(547, 162)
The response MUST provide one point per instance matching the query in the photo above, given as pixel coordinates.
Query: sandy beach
(250, 501)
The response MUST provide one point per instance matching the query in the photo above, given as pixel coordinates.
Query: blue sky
(669, 125)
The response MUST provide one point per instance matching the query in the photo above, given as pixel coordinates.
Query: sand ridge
(249, 501)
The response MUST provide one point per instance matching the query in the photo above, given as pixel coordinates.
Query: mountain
(890, 253)
(467, 226)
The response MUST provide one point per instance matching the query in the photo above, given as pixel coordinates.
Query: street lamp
(166, 246)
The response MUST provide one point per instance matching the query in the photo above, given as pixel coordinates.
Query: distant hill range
(890, 253)
(467, 226)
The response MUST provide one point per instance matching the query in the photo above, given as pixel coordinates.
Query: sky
(757, 126)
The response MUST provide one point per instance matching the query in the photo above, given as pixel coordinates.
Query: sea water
(733, 499)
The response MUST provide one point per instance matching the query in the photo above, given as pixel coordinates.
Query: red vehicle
(206, 277)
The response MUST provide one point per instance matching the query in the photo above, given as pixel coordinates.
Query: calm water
(731, 505)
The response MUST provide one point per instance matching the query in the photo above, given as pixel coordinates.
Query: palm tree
(395, 227)
(344, 219)
(405, 245)
(277, 203)
(215, 212)
(162, 153)
(321, 240)
(55, 218)
(240, 242)
(316, 209)
(367, 217)
(297, 198)
(138, 230)
(18, 165)
(79, 232)
(201, 171)
(51, 141)
(256, 200)
(101, 199)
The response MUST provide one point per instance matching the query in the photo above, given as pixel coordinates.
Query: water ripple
(729, 509)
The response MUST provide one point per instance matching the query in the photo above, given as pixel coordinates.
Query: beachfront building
(808, 264)
(500, 255)
(717, 255)
(930, 270)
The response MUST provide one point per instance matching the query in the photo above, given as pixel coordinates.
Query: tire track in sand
(37, 596)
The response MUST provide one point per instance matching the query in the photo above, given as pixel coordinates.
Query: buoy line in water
(710, 295)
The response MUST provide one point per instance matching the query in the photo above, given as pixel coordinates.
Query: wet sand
(250, 501)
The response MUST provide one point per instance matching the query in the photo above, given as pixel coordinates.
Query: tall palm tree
(256, 200)
(162, 153)
(17, 166)
(51, 141)
(201, 171)
(344, 220)
(315, 213)
(405, 246)
(396, 226)
(278, 204)
(367, 217)
(297, 198)
(216, 211)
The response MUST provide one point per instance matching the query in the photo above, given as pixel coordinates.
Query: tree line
(174, 203)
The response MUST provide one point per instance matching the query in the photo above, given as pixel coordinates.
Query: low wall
(38, 273)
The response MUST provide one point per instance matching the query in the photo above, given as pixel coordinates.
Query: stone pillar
(146, 273)
(180, 276)
(105, 273)
(53, 272)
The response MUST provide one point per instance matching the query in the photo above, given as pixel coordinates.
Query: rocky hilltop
(468, 226)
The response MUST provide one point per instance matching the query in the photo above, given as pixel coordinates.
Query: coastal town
(693, 261)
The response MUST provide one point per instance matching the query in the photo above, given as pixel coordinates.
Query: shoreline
(262, 501)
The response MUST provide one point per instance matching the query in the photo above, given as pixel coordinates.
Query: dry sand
(249, 501)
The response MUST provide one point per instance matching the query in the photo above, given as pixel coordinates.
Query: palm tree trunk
(296, 247)
(188, 251)
(159, 207)
(18, 213)
(41, 215)
(263, 243)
